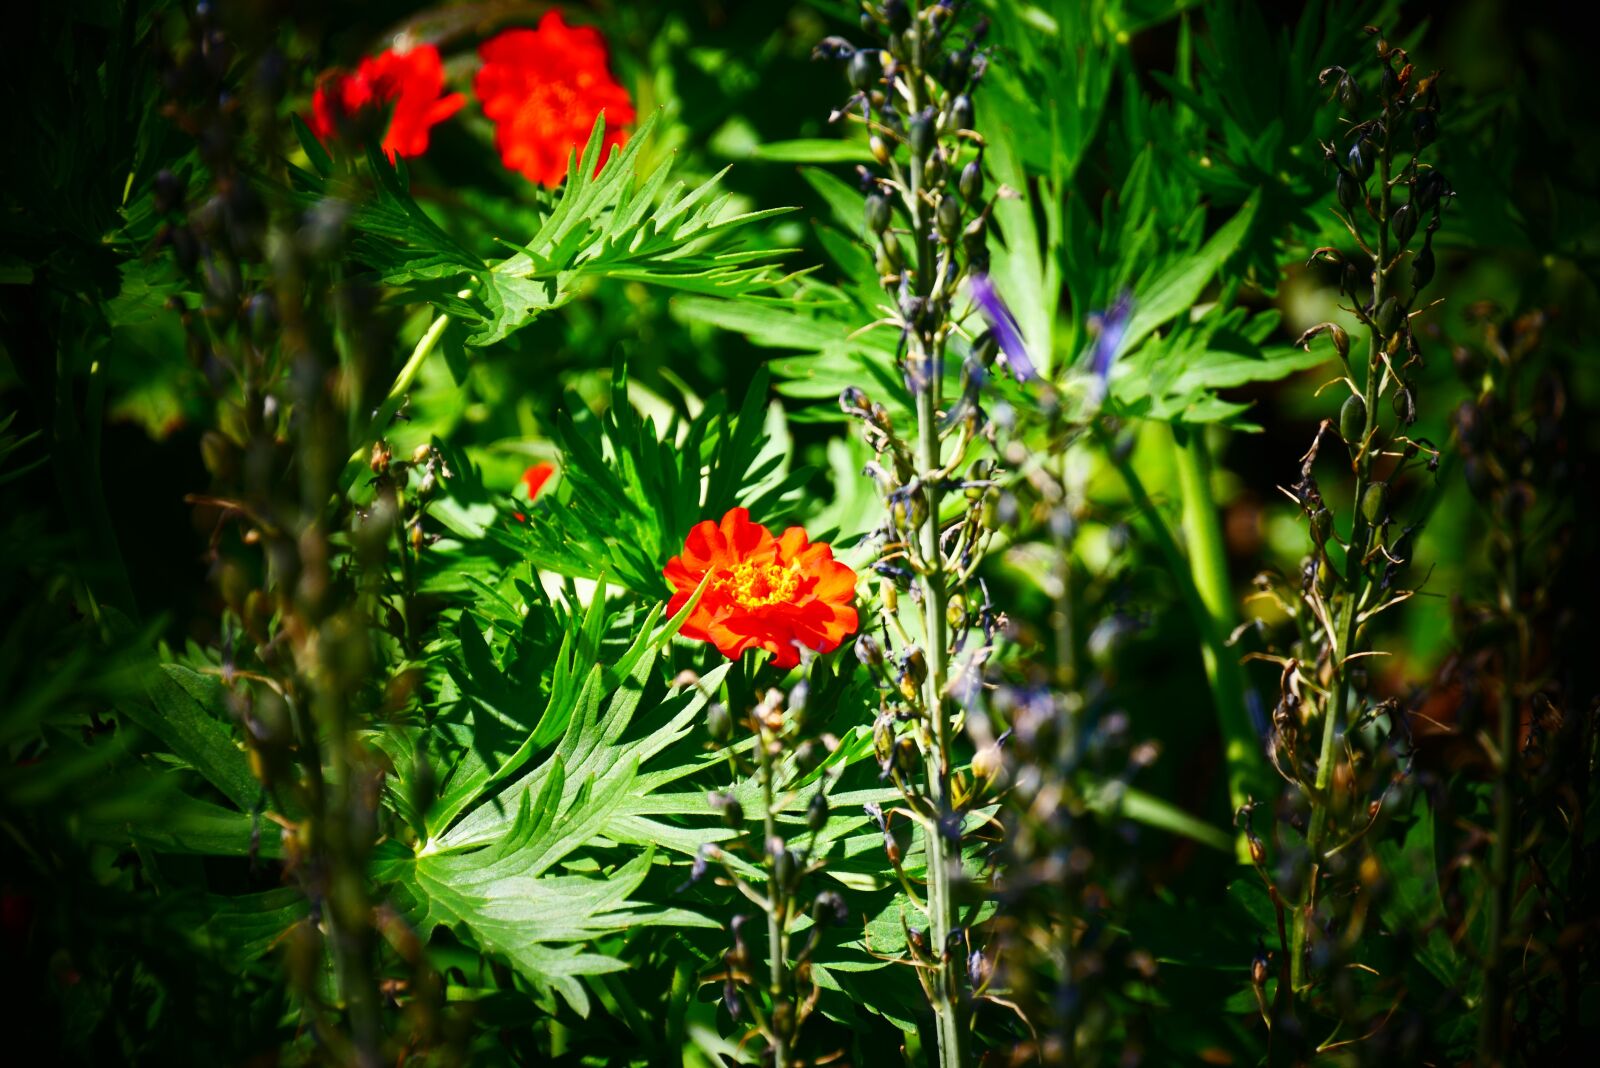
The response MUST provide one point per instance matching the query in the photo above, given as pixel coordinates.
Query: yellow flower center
(755, 585)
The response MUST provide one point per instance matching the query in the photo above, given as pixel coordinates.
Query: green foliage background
(674, 337)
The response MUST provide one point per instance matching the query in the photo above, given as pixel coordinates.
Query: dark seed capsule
(922, 134)
(1405, 405)
(1359, 158)
(1374, 501)
(1404, 223)
(733, 814)
(961, 112)
(1321, 525)
(863, 70)
(971, 182)
(1388, 317)
(879, 212)
(1424, 128)
(1422, 265)
(1429, 188)
(168, 192)
(1348, 189)
(1353, 419)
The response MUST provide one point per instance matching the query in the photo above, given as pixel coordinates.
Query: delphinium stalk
(779, 997)
(1387, 192)
(315, 628)
(1517, 652)
(927, 218)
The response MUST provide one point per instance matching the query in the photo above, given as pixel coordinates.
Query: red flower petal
(408, 83)
(543, 88)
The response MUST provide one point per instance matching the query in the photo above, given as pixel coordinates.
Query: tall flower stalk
(1346, 582)
(927, 218)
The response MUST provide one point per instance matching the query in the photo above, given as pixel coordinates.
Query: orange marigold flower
(411, 81)
(765, 592)
(543, 89)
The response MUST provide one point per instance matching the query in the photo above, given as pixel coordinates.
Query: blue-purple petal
(1004, 324)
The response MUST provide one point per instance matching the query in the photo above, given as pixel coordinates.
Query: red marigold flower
(411, 81)
(765, 592)
(543, 89)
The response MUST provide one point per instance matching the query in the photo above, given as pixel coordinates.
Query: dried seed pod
(1349, 94)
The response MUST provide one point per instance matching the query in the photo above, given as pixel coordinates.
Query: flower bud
(879, 212)
(718, 722)
(949, 218)
(817, 812)
(168, 192)
(864, 68)
(880, 150)
(961, 112)
(971, 182)
(922, 135)
(1353, 419)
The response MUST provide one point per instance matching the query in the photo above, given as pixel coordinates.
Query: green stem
(1208, 566)
(777, 902)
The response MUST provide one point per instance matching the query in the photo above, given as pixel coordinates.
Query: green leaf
(185, 712)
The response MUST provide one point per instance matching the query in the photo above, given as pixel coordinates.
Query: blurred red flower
(536, 476)
(543, 89)
(765, 592)
(411, 81)
(533, 480)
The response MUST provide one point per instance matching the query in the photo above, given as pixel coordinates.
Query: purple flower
(1113, 327)
(1004, 325)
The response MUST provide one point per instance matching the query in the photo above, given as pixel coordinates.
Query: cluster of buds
(927, 219)
(787, 774)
